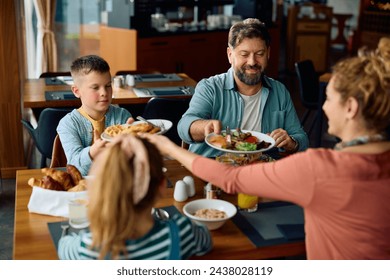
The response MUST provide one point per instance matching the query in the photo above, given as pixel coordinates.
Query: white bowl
(191, 207)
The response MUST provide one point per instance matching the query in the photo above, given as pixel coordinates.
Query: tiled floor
(7, 205)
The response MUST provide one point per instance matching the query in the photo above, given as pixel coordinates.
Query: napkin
(54, 203)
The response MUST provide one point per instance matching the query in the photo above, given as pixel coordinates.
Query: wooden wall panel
(118, 47)
(11, 138)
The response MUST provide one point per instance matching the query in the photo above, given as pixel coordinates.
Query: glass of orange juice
(247, 203)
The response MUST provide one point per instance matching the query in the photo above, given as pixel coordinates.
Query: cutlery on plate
(152, 124)
(228, 137)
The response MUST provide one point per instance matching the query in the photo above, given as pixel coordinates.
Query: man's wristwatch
(296, 144)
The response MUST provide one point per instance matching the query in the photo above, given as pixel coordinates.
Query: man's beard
(249, 80)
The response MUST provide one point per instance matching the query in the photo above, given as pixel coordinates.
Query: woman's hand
(163, 144)
(170, 149)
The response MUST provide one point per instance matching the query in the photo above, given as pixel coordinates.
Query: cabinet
(374, 23)
(198, 55)
(118, 46)
(308, 35)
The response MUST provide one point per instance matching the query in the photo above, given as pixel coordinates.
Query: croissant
(61, 177)
(35, 182)
(80, 187)
(51, 184)
(74, 173)
(46, 182)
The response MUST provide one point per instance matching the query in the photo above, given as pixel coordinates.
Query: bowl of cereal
(211, 212)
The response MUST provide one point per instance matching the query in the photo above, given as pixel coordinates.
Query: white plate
(259, 135)
(159, 122)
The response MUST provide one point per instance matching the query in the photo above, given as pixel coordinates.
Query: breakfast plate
(114, 130)
(266, 142)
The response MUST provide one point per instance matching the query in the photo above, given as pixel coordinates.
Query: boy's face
(95, 93)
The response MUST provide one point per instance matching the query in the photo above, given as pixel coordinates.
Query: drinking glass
(247, 203)
(78, 217)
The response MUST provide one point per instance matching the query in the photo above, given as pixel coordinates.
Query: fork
(228, 137)
(65, 227)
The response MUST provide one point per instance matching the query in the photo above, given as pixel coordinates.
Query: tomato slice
(251, 139)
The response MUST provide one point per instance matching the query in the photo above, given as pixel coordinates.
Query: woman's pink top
(345, 196)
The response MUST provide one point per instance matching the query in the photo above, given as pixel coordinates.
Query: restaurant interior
(161, 37)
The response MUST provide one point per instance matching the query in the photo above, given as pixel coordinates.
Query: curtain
(30, 40)
(46, 52)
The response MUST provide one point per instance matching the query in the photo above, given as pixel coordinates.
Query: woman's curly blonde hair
(366, 77)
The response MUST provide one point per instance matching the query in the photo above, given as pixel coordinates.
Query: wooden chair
(185, 145)
(58, 158)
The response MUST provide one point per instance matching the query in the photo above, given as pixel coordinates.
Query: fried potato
(117, 129)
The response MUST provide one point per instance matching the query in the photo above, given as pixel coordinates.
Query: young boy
(80, 130)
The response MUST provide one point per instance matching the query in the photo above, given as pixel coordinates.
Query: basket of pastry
(55, 189)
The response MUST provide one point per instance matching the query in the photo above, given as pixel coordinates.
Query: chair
(45, 132)
(169, 109)
(309, 90)
(58, 157)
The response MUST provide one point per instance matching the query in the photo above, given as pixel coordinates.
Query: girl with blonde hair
(345, 192)
(126, 181)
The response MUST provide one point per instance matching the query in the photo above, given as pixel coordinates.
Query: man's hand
(201, 128)
(283, 140)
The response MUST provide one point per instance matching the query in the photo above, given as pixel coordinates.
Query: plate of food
(242, 142)
(160, 127)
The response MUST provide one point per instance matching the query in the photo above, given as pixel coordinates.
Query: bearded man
(243, 97)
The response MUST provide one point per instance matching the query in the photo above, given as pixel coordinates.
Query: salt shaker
(180, 193)
(190, 185)
(130, 80)
(210, 192)
(118, 81)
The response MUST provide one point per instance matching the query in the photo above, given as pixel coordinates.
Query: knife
(162, 128)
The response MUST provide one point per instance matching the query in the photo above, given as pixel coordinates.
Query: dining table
(34, 92)
(33, 241)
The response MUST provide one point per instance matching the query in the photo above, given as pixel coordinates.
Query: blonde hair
(112, 212)
(367, 78)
